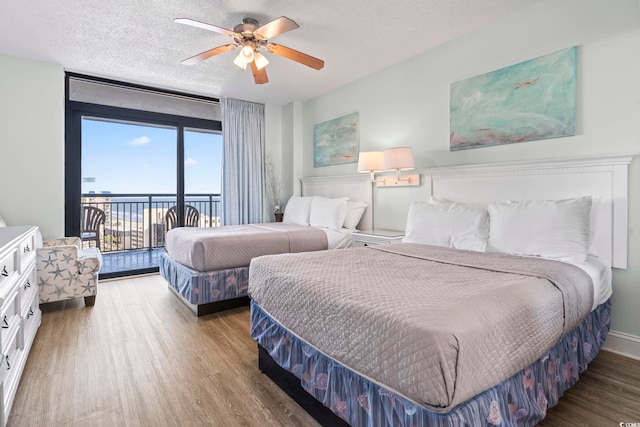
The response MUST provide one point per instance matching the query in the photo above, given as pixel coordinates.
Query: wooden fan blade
(275, 27)
(259, 76)
(294, 55)
(208, 54)
(193, 23)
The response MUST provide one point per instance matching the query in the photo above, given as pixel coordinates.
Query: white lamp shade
(248, 53)
(240, 61)
(260, 60)
(370, 161)
(398, 158)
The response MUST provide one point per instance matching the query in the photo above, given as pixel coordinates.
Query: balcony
(133, 235)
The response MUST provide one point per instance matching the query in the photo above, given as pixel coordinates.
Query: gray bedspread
(232, 246)
(436, 325)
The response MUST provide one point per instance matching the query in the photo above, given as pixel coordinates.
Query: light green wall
(408, 105)
(32, 144)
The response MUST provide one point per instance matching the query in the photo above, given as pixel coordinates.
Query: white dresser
(19, 309)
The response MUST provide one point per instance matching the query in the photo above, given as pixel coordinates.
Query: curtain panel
(243, 172)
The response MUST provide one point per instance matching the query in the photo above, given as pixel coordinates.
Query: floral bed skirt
(521, 400)
(200, 287)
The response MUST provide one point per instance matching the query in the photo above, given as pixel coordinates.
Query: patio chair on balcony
(191, 217)
(92, 220)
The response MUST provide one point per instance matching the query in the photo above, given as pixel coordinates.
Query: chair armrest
(91, 257)
(64, 241)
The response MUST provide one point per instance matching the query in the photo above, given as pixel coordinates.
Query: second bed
(208, 268)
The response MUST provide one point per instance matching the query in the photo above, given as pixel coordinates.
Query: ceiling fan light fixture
(248, 52)
(260, 60)
(240, 61)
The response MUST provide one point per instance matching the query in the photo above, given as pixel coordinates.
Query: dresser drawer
(27, 287)
(8, 362)
(27, 248)
(9, 320)
(30, 322)
(12, 365)
(8, 266)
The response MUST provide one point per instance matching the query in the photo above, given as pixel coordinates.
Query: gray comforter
(436, 325)
(232, 246)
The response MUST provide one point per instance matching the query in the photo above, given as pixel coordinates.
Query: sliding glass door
(136, 175)
(128, 174)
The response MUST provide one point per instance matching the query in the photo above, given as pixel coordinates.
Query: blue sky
(131, 158)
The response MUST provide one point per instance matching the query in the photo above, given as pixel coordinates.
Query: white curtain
(243, 175)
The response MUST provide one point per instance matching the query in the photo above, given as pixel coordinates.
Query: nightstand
(376, 237)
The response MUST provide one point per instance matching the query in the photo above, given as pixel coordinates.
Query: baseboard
(624, 344)
(114, 279)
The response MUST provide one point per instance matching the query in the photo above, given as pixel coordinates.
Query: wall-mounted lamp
(371, 162)
(391, 160)
(399, 159)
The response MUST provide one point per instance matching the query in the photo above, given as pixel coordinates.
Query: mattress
(233, 246)
(436, 325)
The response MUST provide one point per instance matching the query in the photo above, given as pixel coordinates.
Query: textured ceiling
(137, 41)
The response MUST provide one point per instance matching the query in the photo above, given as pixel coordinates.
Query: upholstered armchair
(67, 271)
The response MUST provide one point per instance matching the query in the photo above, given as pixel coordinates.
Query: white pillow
(455, 225)
(557, 229)
(328, 213)
(482, 231)
(594, 234)
(445, 202)
(438, 201)
(2, 222)
(297, 210)
(355, 210)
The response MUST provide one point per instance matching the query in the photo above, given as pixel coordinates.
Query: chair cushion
(91, 253)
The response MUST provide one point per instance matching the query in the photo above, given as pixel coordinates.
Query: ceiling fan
(251, 38)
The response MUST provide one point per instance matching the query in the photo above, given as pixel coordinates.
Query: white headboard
(603, 177)
(355, 187)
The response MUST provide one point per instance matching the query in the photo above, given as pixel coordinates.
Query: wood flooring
(139, 357)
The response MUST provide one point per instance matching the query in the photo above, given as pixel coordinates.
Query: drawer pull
(27, 285)
(5, 273)
(27, 248)
(8, 364)
(30, 313)
(5, 324)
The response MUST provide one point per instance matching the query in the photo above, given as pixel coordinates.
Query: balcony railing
(138, 221)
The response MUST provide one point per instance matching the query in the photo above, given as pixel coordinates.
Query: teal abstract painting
(529, 101)
(336, 141)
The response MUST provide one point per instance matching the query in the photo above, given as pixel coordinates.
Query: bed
(419, 334)
(208, 268)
